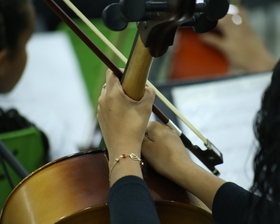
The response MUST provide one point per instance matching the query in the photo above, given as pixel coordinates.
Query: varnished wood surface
(75, 190)
(137, 71)
(193, 59)
(58, 189)
(169, 213)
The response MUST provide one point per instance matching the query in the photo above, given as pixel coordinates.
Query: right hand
(164, 150)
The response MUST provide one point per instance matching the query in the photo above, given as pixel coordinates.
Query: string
(124, 59)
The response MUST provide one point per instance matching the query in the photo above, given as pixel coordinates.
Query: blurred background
(216, 79)
(259, 17)
(244, 43)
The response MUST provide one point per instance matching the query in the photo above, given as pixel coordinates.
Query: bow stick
(213, 155)
(124, 59)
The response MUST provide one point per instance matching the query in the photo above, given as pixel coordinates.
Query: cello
(74, 189)
(189, 51)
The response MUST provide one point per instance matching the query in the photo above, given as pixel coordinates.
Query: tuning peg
(200, 23)
(113, 18)
(140, 10)
(117, 15)
(132, 10)
(213, 9)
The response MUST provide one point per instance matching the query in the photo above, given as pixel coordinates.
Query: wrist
(262, 59)
(125, 165)
(118, 150)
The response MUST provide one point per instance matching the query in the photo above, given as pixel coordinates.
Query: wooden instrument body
(193, 59)
(75, 189)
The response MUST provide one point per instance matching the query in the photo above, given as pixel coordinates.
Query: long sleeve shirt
(130, 202)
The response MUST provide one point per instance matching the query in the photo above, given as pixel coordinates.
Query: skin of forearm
(199, 182)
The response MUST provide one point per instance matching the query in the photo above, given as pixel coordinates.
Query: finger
(213, 40)
(147, 145)
(149, 96)
(146, 137)
(111, 79)
(103, 90)
(104, 87)
(153, 130)
(113, 84)
(98, 113)
(159, 132)
(102, 94)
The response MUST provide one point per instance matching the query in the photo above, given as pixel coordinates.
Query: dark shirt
(131, 202)
(229, 202)
(233, 205)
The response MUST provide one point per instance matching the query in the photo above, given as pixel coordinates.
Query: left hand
(239, 43)
(123, 121)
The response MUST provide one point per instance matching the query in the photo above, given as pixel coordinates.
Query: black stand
(5, 154)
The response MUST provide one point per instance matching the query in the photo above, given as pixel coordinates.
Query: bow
(155, 17)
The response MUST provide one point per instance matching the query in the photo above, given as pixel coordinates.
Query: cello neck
(137, 70)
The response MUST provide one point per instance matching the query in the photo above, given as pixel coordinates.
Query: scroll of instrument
(74, 189)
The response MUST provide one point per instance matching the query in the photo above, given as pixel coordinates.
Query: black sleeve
(232, 204)
(131, 202)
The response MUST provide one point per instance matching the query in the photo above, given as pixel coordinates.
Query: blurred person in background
(250, 28)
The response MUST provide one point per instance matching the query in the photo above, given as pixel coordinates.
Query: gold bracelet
(123, 156)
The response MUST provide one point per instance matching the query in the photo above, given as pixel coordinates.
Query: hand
(241, 46)
(122, 120)
(164, 150)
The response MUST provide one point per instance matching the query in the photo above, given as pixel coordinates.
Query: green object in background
(92, 67)
(27, 147)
